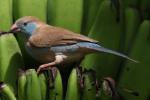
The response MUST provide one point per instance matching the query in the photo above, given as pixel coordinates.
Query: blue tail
(99, 48)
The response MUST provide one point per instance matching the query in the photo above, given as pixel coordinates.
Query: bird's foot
(44, 67)
(39, 70)
(50, 73)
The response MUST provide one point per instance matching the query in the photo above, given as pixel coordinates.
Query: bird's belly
(43, 55)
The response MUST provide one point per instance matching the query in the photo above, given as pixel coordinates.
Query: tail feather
(102, 49)
(99, 48)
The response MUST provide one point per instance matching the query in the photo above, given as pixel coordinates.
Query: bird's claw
(43, 67)
(38, 71)
(50, 72)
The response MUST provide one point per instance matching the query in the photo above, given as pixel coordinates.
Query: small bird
(54, 45)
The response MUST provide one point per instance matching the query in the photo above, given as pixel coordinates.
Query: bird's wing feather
(50, 36)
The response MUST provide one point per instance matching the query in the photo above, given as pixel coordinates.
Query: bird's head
(26, 25)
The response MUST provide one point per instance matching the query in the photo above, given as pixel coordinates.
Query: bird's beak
(14, 28)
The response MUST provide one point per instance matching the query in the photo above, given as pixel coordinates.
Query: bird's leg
(58, 60)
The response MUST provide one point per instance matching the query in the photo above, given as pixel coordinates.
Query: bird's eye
(24, 24)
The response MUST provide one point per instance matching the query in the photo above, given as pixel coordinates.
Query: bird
(53, 45)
